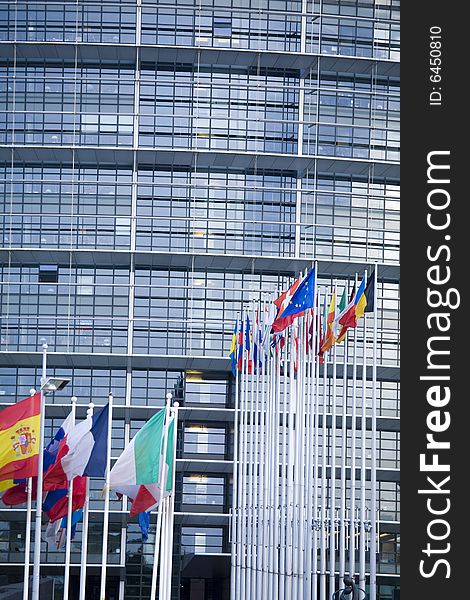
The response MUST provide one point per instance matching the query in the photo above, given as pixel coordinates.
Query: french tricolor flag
(52, 448)
(81, 452)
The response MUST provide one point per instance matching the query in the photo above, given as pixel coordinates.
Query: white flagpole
(256, 452)
(295, 461)
(323, 479)
(284, 360)
(158, 529)
(273, 493)
(104, 553)
(167, 536)
(299, 466)
(27, 542)
(352, 511)
(261, 528)
(373, 478)
(316, 413)
(84, 549)
(38, 517)
(240, 512)
(235, 480)
(307, 459)
(68, 538)
(344, 435)
(264, 455)
(333, 464)
(244, 461)
(267, 577)
(256, 411)
(301, 425)
(290, 473)
(250, 573)
(362, 517)
(162, 594)
(311, 451)
(171, 503)
(307, 450)
(276, 461)
(163, 548)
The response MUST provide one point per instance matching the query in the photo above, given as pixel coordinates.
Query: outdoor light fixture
(54, 384)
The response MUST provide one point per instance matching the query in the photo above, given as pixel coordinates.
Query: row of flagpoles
(290, 536)
(302, 519)
(59, 474)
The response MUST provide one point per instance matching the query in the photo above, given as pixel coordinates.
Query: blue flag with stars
(303, 296)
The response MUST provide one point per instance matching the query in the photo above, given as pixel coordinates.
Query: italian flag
(140, 473)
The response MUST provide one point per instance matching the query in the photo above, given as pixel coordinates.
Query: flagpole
(362, 518)
(171, 503)
(255, 510)
(352, 511)
(262, 529)
(299, 464)
(163, 536)
(307, 451)
(249, 542)
(373, 477)
(165, 550)
(344, 432)
(311, 451)
(316, 414)
(333, 464)
(235, 480)
(266, 584)
(276, 461)
(240, 513)
(271, 486)
(158, 529)
(84, 549)
(162, 592)
(38, 517)
(279, 566)
(104, 554)
(279, 360)
(68, 538)
(323, 479)
(290, 477)
(243, 460)
(301, 424)
(251, 545)
(27, 541)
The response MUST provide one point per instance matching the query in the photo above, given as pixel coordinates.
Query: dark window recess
(48, 274)
(222, 27)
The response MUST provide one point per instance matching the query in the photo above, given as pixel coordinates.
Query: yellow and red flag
(19, 439)
(330, 319)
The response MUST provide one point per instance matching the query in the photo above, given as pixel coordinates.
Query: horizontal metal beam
(189, 55)
(204, 466)
(232, 263)
(79, 360)
(203, 159)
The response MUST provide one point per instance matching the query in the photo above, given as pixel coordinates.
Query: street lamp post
(48, 385)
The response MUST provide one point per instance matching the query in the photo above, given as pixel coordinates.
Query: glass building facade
(160, 163)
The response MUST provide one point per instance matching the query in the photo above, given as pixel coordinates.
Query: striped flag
(19, 439)
(137, 473)
(330, 319)
(81, 452)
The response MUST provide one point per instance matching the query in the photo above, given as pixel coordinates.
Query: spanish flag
(19, 439)
(330, 335)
